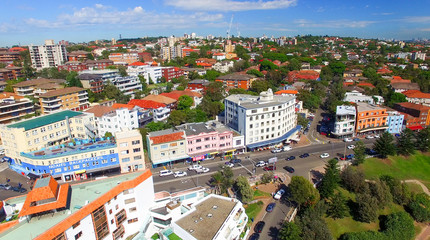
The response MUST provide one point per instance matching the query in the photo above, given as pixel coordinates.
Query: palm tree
(217, 180)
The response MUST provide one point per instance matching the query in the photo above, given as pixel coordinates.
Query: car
(270, 168)
(17, 189)
(279, 194)
(351, 146)
(287, 148)
(311, 115)
(180, 174)
(371, 151)
(397, 135)
(229, 164)
(235, 160)
(194, 167)
(7, 186)
(260, 164)
(324, 155)
(276, 150)
(259, 227)
(369, 137)
(202, 170)
(290, 158)
(254, 236)
(289, 169)
(304, 155)
(356, 139)
(164, 173)
(343, 158)
(377, 136)
(347, 140)
(270, 207)
(350, 156)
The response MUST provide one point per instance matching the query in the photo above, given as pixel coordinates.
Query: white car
(377, 136)
(194, 167)
(351, 146)
(229, 164)
(311, 115)
(369, 137)
(261, 164)
(202, 170)
(287, 148)
(180, 174)
(279, 194)
(347, 140)
(164, 173)
(325, 155)
(277, 150)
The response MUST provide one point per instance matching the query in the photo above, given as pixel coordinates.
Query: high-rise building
(48, 55)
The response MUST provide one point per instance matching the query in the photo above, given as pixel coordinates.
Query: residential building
(169, 102)
(200, 71)
(370, 118)
(394, 121)
(356, 97)
(79, 56)
(145, 56)
(416, 115)
(287, 92)
(117, 207)
(171, 72)
(236, 80)
(198, 84)
(98, 64)
(418, 55)
(9, 57)
(218, 56)
(171, 52)
(124, 58)
(69, 98)
(295, 75)
(353, 73)
(176, 94)
(223, 67)
(10, 73)
(400, 87)
(166, 147)
(229, 47)
(96, 79)
(130, 150)
(87, 65)
(213, 217)
(36, 87)
(151, 73)
(344, 123)
(186, 51)
(48, 55)
(160, 111)
(231, 55)
(127, 85)
(14, 107)
(263, 120)
(417, 97)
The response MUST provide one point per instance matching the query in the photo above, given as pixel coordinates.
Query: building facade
(344, 125)
(48, 55)
(36, 87)
(235, 80)
(70, 98)
(416, 115)
(356, 97)
(124, 58)
(370, 118)
(171, 72)
(394, 121)
(167, 146)
(10, 73)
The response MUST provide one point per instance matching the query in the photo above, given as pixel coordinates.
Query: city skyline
(27, 22)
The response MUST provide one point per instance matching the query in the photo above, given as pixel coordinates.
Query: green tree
(337, 207)
(245, 191)
(255, 72)
(405, 143)
(302, 191)
(359, 153)
(337, 68)
(211, 108)
(394, 98)
(289, 231)
(267, 65)
(211, 75)
(330, 180)
(72, 80)
(399, 226)
(302, 121)
(217, 180)
(399, 191)
(368, 235)
(196, 115)
(185, 102)
(241, 91)
(381, 192)
(423, 140)
(353, 179)
(312, 225)
(259, 86)
(176, 118)
(367, 210)
(310, 101)
(384, 145)
(108, 135)
(156, 126)
(215, 91)
(294, 65)
(193, 75)
(419, 207)
(112, 92)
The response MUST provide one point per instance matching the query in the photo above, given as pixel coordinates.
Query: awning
(414, 128)
(232, 150)
(213, 153)
(276, 140)
(80, 171)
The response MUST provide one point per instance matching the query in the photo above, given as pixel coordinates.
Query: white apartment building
(109, 119)
(356, 97)
(223, 67)
(95, 80)
(171, 52)
(264, 120)
(212, 218)
(344, 125)
(153, 73)
(128, 85)
(48, 55)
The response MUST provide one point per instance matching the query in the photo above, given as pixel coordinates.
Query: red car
(270, 168)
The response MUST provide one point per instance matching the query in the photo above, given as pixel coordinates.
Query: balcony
(50, 100)
(51, 106)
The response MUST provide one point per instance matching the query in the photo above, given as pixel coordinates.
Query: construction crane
(229, 28)
(238, 32)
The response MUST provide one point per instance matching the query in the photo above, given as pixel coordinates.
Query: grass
(415, 188)
(340, 226)
(258, 193)
(174, 237)
(155, 236)
(253, 209)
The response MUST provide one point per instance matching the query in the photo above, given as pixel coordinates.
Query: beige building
(36, 87)
(167, 146)
(70, 98)
(130, 150)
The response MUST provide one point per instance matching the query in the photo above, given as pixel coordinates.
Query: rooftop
(99, 110)
(363, 107)
(207, 218)
(345, 110)
(236, 76)
(61, 92)
(251, 102)
(160, 99)
(44, 120)
(146, 104)
(38, 81)
(164, 136)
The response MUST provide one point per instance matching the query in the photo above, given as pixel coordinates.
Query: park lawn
(253, 209)
(416, 166)
(338, 227)
(415, 188)
(258, 193)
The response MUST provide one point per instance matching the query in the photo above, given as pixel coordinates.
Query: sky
(27, 22)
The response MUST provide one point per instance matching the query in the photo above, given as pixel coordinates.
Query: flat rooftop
(345, 110)
(252, 102)
(80, 193)
(362, 107)
(204, 222)
(44, 120)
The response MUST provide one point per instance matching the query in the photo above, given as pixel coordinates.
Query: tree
(108, 135)
(196, 115)
(215, 91)
(302, 191)
(244, 189)
(337, 207)
(267, 65)
(312, 225)
(419, 207)
(330, 180)
(211, 75)
(337, 68)
(255, 72)
(405, 144)
(359, 153)
(217, 179)
(259, 86)
(193, 75)
(112, 92)
(72, 80)
(211, 108)
(301, 120)
(423, 140)
(156, 126)
(353, 179)
(294, 65)
(399, 191)
(381, 192)
(399, 226)
(289, 231)
(241, 91)
(394, 98)
(367, 210)
(169, 87)
(368, 235)
(384, 145)
(176, 118)
(122, 71)
(185, 102)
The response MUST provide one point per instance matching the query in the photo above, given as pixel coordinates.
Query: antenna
(229, 28)
(238, 32)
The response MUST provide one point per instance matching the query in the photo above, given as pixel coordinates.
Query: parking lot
(14, 180)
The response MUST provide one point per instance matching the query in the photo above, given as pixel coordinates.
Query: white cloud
(136, 17)
(230, 5)
(333, 24)
(418, 19)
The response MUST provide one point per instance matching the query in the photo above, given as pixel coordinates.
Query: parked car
(229, 164)
(254, 236)
(259, 226)
(180, 174)
(356, 139)
(279, 194)
(2, 186)
(277, 150)
(347, 140)
(194, 167)
(270, 168)
(7, 186)
(304, 155)
(289, 169)
(235, 160)
(202, 170)
(311, 115)
(164, 173)
(351, 146)
(369, 137)
(260, 164)
(324, 155)
(370, 151)
(350, 156)
(20, 190)
(290, 158)
(270, 207)
(287, 148)
(343, 158)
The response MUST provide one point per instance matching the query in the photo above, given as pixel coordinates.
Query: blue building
(394, 121)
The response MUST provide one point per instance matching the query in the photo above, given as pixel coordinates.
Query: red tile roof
(286, 92)
(5, 226)
(99, 110)
(416, 94)
(138, 64)
(167, 138)
(120, 105)
(365, 84)
(146, 104)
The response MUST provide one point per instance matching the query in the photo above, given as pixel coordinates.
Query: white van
(165, 173)
(287, 148)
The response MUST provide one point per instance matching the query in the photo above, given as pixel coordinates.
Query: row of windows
(135, 158)
(75, 167)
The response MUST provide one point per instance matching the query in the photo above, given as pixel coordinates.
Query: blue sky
(30, 22)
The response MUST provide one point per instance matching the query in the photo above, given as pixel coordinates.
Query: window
(126, 160)
(124, 152)
(198, 148)
(206, 139)
(131, 200)
(198, 140)
(120, 217)
(113, 159)
(132, 220)
(133, 209)
(135, 158)
(135, 150)
(135, 142)
(124, 144)
(76, 224)
(77, 236)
